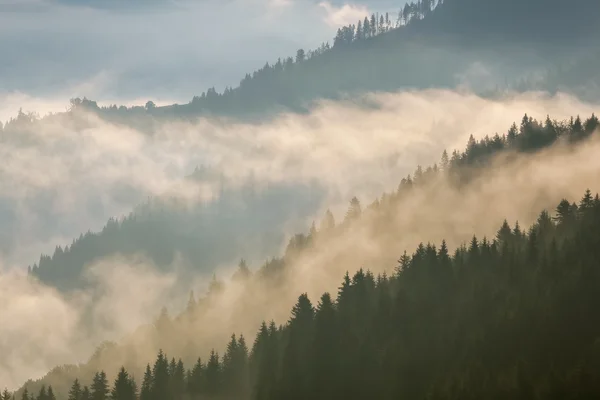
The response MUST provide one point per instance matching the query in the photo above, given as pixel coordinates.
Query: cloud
(63, 175)
(52, 329)
(280, 3)
(175, 52)
(345, 147)
(343, 15)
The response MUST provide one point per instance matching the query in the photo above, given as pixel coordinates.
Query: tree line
(459, 167)
(147, 227)
(512, 316)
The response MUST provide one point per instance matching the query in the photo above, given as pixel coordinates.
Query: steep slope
(510, 318)
(199, 238)
(433, 44)
(366, 237)
(204, 238)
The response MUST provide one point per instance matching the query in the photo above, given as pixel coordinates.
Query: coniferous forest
(507, 317)
(428, 43)
(418, 309)
(500, 317)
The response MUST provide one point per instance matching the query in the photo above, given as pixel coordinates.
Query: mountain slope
(434, 46)
(312, 260)
(204, 239)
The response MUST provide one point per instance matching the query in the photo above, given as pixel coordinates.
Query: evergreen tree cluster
(147, 228)
(378, 216)
(513, 316)
(429, 43)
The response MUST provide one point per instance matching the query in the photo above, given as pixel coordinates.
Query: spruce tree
(196, 381)
(124, 387)
(146, 389)
(75, 392)
(100, 389)
(294, 374)
(324, 350)
(160, 377)
(86, 394)
(50, 395)
(42, 395)
(213, 374)
(177, 381)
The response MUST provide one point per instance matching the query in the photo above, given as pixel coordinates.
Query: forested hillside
(241, 221)
(474, 278)
(155, 228)
(432, 43)
(508, 317)
(323, 253)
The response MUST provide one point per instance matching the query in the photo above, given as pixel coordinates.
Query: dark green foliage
(85, 394)
(235, 367)
(151, 231)
(490, 320)
(124, 387)
(205, 236)
(514, 317)
(160, 377)
(427, 46)
(177, 381)
(146, 389)
(99, 388)
(75, 392)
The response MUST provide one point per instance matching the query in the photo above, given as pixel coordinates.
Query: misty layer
(423, 331)
(433, 206)
(70, 172)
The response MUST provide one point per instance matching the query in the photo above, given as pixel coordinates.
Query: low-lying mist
(341, 148)
(68, 173)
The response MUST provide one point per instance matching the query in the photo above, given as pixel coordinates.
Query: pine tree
(264, 362)
(75, 392)
(295, 376)
(354, 210)
(445, 161)
(586, 203)
(324, 350)
(196, 380)
(177, 381)
(242, 376)
(86, 394)
(403, 263)
(191, 305)
(146, 389)
(504, 234)
(328, 223)
(99, 388)
(124, 387)
(160, 377)
(50, 395)
(229, 359)
(213, 374)
(243, 272)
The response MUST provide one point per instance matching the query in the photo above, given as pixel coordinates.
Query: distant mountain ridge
(431, 44)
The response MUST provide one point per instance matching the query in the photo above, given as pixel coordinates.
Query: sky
(127, 52)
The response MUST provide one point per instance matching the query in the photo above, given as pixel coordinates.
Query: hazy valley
(433, 170)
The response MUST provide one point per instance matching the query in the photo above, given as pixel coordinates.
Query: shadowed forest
(431, 43)
(474, 277)
(478, 312)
